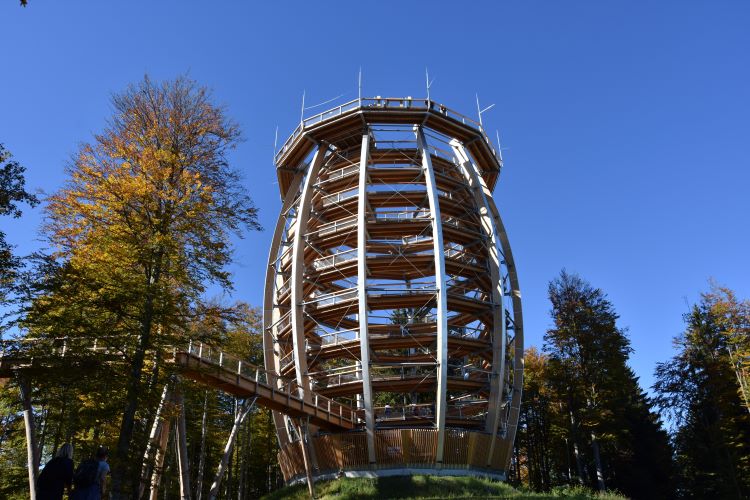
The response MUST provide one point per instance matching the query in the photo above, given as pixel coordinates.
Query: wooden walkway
(246, 380)
(198, 362)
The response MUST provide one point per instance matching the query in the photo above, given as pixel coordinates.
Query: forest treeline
(586, 420)
(140, 236)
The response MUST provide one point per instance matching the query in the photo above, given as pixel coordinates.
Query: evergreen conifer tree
(604, 424)
(698, 388)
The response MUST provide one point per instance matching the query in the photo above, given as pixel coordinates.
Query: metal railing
(328, 299)
(334, 338)
(223, 361)
(334, 227)
(403, 215)
(339, 173)
(60, 347)
(337, 198)
(381, 103)
(332, 260)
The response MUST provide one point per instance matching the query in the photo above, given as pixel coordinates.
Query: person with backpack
(91, 477)
(57, 475)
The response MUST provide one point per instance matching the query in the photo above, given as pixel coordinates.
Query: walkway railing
(198, 361)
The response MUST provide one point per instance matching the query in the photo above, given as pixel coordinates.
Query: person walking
(90, 479)
(57, 475)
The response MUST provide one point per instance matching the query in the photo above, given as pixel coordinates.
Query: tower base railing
(398, 452)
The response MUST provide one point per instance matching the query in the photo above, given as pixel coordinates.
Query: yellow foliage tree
(733, 317)
(146, 215)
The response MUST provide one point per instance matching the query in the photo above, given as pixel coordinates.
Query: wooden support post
(161, 450)
(364, 343)
(442, 294)
(241, 415)
(28, 418)
(153, 439)
(517, 345)
(271, 313)
(302, 431)
(298, 264)
(499, 334)
(299, 340)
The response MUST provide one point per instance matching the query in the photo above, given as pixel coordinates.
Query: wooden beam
(271, 314)
(182, 455)
(298, 263)
(498, 310)
(442, 295)
(518, 335)
(362, 296)
(24, 387)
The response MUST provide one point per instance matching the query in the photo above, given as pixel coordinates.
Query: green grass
(425, 487)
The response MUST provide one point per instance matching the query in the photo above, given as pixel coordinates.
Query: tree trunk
(202, 459)
(119, 472)
(31, 448)
(58, 431)
(244, 411)
(246, 453)
(574, 438)
(128, 419)
(230, 477)
(597, 462)
(43, 424)
(567, 460)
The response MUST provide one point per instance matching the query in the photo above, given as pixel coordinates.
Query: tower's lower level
(398, 451)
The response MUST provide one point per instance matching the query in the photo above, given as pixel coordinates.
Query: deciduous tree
(144, 222)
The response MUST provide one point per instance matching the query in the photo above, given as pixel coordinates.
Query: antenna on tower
(480, 110)
(275, 142)
(359, 86)
(428, 82)
(499, 147)
(302, 111)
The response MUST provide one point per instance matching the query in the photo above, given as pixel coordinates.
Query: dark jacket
(57, 474)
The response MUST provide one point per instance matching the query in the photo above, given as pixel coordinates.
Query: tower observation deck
(391, 289)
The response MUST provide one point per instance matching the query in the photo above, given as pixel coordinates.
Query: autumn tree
(537, 465)
(143, 225)
(733, 318)
(699, 389)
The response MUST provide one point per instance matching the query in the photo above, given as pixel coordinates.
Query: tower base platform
(403, 451)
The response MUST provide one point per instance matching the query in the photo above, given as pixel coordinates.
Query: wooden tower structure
(391, 289)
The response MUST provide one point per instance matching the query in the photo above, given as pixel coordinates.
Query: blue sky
(624, 125)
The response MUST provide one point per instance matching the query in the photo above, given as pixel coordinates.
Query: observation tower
(391, 289)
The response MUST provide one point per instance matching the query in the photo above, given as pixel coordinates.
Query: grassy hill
(425, 487)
